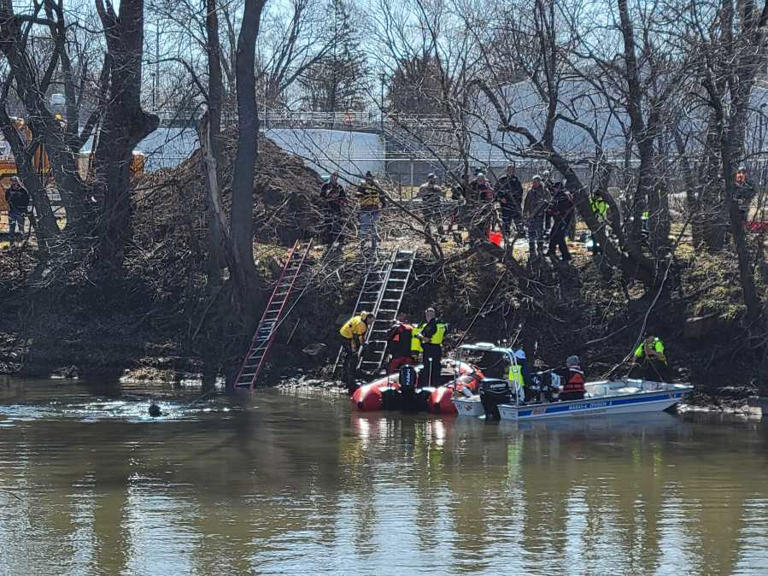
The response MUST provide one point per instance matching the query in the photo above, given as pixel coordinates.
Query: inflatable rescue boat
(404, 390)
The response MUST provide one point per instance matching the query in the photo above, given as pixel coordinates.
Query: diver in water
(154, 409)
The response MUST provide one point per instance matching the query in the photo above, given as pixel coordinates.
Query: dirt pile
(150, 318)
(169, 244)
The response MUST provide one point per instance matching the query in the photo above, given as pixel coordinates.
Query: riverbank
(161, 322)
(554, 311)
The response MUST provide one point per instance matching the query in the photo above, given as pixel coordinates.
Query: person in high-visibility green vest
(599, 205)
(428, 339)
(516, 380)
(519, 374)
(650, 360)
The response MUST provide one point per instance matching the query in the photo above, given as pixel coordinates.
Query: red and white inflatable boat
(386, 393)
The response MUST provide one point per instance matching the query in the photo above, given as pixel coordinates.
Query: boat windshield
(493, 362)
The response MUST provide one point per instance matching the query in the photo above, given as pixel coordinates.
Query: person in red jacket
(399, 344)
(574, 379)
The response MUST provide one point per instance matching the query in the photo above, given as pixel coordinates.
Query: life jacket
(369, 196)
(598, 205)
(652, 350)
(401, 342)
(355, 326)
(575, 381)
(436, 339)
(515, 375)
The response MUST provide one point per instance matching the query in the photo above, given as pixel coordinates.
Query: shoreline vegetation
(160, 321)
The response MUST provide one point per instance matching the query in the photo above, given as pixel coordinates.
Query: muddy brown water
(284, 483)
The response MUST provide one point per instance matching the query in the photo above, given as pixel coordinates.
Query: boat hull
(626, 404)
(471, 407)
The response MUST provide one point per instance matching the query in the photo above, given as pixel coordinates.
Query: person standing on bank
(17, 198)
(509, 195)
(428, 339)
(561, 211)
(333, 197)
(431, 195)
(371, 199)
(533, 211)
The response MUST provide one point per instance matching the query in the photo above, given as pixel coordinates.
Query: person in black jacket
(509, 195)
(17, 198)
(561, 211)
(430, 335)
(399, 338)
(334, 199)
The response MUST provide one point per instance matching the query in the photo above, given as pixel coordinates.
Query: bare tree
(125, 124)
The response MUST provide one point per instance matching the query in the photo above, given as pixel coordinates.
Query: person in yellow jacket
(371, 199)
(650, 360)
(428, 339)
(353, 337)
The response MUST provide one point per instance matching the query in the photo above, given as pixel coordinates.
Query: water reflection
(288, 484)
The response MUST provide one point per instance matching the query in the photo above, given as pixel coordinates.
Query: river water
(282, 483)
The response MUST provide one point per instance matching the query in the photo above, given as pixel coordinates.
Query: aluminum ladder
(272, 316)
(386, 310)
(382, 293)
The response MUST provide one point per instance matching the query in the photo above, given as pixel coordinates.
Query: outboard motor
(407, 381)
(494, 391)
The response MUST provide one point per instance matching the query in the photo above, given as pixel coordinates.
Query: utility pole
(382, 77)
(156, 80)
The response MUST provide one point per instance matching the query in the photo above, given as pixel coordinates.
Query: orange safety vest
(575, 382)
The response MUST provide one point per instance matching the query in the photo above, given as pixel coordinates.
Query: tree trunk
(125, 125)
(241, 218)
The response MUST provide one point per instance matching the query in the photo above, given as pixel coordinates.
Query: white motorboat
(627, 396)
(604, 397)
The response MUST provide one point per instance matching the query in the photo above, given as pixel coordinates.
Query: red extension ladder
(272, 316)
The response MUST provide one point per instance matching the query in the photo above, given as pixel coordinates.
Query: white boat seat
(597, 391)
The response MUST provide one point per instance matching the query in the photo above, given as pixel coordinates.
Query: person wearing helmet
(649, 361)
(534, 206)
(574, 379)
(353, 333)
(431, 195)
(333, 200)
